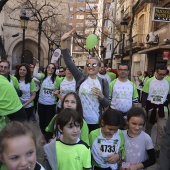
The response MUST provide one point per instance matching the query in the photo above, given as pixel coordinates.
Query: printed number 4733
(107, 148)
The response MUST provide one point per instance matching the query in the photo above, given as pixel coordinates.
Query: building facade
(12, 33)
(150, 38)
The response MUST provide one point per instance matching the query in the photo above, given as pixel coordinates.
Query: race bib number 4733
(106, 147)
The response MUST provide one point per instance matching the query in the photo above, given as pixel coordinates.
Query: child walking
(140, 152)
(70, 100)
(107, 142)
(68, 151)
(18, 147)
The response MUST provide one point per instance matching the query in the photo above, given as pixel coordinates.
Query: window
(89, 24)
(91, 7)
(71, 8)
(80, 0)
(71, 17)
(77, 48)
(79, 25)
(91, 0)
(80, 17)
(106, 23)
(80, 9)
(80, 32)
(107, 6)
(90, 16)
(89, 31)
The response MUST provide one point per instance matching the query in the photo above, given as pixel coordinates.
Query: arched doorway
(28, 57)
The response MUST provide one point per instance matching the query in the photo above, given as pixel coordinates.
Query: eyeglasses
(93, 65)
(61, 71)
(161, 74)
(5, 67)
(123, 69)
(31, 67)
(51, 68)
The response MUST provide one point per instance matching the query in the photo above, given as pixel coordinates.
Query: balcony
(139, 41)
(128, 13)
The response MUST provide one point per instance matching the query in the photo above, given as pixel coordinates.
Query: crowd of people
(89, 119)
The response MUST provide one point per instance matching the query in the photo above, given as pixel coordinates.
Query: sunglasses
(93, 65)
(51, 68)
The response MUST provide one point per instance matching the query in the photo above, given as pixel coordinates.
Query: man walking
(123, 92)
(154, 99)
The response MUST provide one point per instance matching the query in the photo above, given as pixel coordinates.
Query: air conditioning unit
(152, 38)
(167, 41)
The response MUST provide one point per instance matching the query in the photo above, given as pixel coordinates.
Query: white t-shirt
(26, 92)
(136, 148)
(122, 95)
(102, 148)
(90, 102)
(66, 87)
(37, 83)
(158, 91)
(46, 95)
(105, 76)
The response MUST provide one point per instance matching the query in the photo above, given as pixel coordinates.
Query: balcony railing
(139, 41)
(128, 12)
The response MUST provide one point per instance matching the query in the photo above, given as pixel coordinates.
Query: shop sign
(166, 55)
(161, 14)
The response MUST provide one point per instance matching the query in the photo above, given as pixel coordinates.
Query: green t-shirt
(3, 167)
(73, 156)
(15, 82)
(111, 75)
(9, 100)
(140, 78)
(84, 133)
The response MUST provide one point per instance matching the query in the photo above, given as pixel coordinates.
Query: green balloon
(91, 41)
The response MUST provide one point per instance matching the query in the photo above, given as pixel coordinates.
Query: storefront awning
(158, 48)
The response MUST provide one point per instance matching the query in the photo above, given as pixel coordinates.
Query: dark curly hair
(28, 76)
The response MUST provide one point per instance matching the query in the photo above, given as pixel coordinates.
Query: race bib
(157, 99)
(106, 147)
(48, 92)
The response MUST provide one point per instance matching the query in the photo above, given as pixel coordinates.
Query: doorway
(28, 58)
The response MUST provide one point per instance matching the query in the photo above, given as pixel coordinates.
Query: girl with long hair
(23, 74)
(47, 99)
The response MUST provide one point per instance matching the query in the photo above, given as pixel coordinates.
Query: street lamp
(24, 22)
(124, 26)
